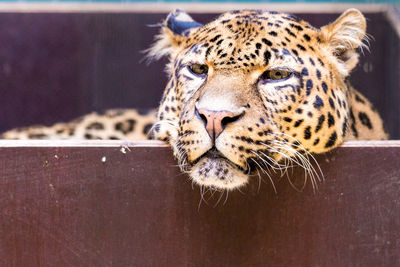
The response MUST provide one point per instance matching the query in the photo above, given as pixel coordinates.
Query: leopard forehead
(242, 40)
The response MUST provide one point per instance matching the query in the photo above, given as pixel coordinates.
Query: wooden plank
(99, 205)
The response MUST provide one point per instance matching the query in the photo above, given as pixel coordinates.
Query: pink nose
(216, 121)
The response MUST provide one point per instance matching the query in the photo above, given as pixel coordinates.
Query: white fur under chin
(218, 173)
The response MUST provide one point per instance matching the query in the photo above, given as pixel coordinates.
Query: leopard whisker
(313, 172)
(259, 181)
(302, 163)
(220, 197)
(226, 198)
(181, 157)
(305, 163)
(317, 175)
(309, 154)
(269, 176)
(281, 167)
(202, 197)
(266, 163)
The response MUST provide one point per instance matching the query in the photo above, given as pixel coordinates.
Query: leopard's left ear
(174, 31)
(343, 37)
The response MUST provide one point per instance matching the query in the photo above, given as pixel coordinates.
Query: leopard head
(253, 90)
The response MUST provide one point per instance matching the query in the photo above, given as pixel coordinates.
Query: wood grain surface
(119, 204)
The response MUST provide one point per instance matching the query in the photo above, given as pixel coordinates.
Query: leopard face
(253, 90)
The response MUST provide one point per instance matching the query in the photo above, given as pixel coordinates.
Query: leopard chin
(218, 173)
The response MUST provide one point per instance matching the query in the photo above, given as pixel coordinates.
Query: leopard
(249, 92)
(112, 124)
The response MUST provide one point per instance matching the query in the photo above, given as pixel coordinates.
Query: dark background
(55, 67)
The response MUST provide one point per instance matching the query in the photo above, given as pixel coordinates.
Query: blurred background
(62, 59)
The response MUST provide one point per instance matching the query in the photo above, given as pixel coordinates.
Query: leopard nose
(216, 121)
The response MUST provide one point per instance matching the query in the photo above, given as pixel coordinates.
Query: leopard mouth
(213, 153)
(213, 169)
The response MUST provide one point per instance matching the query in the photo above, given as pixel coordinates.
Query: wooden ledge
(113, 203)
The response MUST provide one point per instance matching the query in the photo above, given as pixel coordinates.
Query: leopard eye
(275, 75)
(199, 69)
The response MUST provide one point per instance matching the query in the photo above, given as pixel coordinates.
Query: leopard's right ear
(175, 29)
(342, 37)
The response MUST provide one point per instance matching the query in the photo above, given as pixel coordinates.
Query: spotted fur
(114, 124)
(259, 123)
